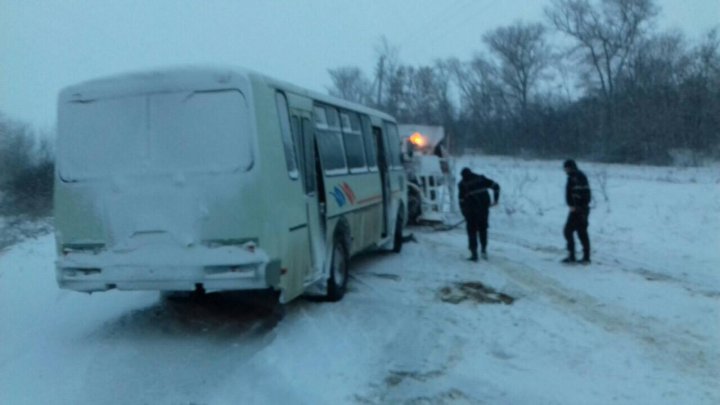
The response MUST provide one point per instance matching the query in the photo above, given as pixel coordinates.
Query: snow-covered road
(634, 327)
(572, 335)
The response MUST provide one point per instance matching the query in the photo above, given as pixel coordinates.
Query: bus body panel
(283, 213)
(359, 201)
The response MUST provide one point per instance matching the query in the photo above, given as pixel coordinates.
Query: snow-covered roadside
(14, 229)
(636, 326)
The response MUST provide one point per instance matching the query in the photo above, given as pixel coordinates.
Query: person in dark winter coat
(577, 196)
(474, 197)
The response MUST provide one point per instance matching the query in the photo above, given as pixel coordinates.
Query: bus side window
(393, 139)
(354, 145)
(329, 139)
(284, 116)
(370, 149)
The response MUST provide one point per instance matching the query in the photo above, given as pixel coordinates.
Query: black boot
(473, 257)
(569, 259)
(585, 259)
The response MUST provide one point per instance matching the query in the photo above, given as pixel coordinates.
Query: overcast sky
(46, 45)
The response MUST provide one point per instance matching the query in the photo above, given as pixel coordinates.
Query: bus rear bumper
(213, 269)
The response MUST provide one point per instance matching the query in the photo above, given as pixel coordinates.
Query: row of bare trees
(26, 170)
(618, 90)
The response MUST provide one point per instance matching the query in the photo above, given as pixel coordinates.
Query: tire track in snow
(423, 345)
(690, 352)
(639, 267)
(174, 352)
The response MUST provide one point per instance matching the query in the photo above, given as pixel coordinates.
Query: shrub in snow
(26, 171)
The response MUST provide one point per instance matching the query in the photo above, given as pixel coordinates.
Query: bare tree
(606, 32)
(523, 55)
(426, 97)
(708, 57)
(350, 83)
(388, 61)
(701, 95)
(443, 88)
(659, 60)
(479, 89)
(16, 147)
(484, 104)
(26, 170)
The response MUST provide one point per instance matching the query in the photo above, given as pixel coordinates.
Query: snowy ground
(640, 325)
(16, 228)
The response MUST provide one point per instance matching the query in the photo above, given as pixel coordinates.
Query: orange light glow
(418, 140)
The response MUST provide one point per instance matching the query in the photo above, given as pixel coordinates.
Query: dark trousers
(477, 225)
(577, 221)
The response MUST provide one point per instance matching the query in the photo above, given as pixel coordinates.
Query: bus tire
(398, 235)
(337, 282)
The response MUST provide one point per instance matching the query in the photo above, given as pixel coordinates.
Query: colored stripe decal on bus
(348, 192)
(370, 199)
(353, 210)
(343, 194)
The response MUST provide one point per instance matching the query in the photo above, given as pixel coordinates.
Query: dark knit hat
(570, 164)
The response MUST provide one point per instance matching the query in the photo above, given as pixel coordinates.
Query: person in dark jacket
(577, 196)
(474, 198)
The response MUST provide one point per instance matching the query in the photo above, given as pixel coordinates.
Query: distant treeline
(620, 91)
(26, 170)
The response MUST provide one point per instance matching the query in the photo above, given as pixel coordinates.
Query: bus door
(314, 195)
(383, 167)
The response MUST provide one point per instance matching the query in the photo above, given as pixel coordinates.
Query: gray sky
(46, 45)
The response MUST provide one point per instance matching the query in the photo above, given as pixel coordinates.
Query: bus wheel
(398, 236)
(337, 282)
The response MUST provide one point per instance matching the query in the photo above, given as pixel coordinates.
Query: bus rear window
(201, 131)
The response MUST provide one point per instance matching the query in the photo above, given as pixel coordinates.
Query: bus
(220, 179)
